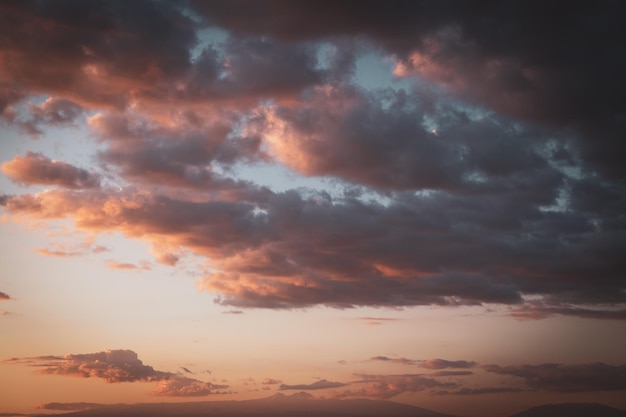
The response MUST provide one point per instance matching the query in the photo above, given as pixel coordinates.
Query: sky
(415, 201)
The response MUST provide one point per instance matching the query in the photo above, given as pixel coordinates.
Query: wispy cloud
(567, 378)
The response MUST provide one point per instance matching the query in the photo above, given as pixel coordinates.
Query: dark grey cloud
(521, 58)
(401, 361)
(4, 296)
(444, 364)
(567, 378)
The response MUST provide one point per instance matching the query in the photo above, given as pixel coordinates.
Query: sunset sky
(415, 201)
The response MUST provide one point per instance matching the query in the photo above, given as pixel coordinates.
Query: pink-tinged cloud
(389, 386)
(4, 296)
(37, 169)
(127, 265)
(178, 386)
(317, 385)
(58, 253)
(567, 378)
(117, 366)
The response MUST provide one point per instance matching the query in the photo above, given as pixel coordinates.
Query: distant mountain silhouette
(279, 405)
(572, 410)
(303, 404)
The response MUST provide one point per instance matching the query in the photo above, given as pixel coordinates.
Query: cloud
(567, 378)
(321, 384)
(478, 391)
(70, 406)
(443, 364)
(178, 386)
(376, 321)
(497, 153)
(388, 386)
(117, 366)
(270, 381)
(542, 310)
(128, 266)
(402, 361)
(451, 373)
(35, 168)
(533, 72)
(4, 296)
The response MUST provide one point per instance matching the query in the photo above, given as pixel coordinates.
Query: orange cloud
(35, 168)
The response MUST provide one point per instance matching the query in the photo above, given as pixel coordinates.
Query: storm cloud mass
(489, 171)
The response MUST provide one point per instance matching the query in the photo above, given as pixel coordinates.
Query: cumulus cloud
(35, 168)
(567, 378)
(321, 384)
(505, 148)
(117, 366)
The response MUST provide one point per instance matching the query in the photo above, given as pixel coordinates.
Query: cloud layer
(488, 171)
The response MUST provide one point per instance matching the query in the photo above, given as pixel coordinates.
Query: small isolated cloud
(58, 253)
(567, 378)
(233, 312)
(36, 169)
(144, 265)
(116, 366)
(321, 384)
(186, 370)
(4, 296)
(443, 364)
(271, 381)
(376, 321)
(402, 361)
